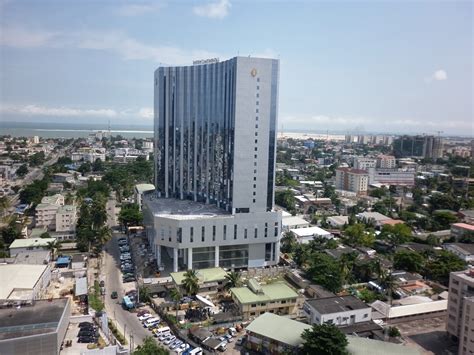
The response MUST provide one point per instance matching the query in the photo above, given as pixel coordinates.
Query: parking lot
(72, 337)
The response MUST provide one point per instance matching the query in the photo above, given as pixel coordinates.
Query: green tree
(358, 235)
(325, 271)
(324, 339)
(439, 267)
(37, 159)
(45, 235)
(396, 234)
(191, 282)
(233, 279)
(144, 293)
(150, 347)
(53, 247)
(85, 168)
(288, 243)
(442, 220)
(285, 199)
(22, 170)
(98, 165)
(130, 215)
(408, 260)
(176, 297)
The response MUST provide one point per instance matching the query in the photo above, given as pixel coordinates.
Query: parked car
(86, 340)
(229, 338)
(128, 279)
(86, 333)
(114, 295)
(175, 344)
(82, 324)
(239, 341)
(144, 317)
(169, 340)
(162, 337)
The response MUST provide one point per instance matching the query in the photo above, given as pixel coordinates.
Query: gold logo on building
(253, 72)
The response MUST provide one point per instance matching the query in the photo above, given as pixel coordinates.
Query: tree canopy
(325, 339)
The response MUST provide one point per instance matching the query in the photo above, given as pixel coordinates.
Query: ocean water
(71, 130)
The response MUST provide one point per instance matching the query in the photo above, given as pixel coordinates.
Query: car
(84, 333)
(144, 317)
(163, 336)
(176, 344)
(222, 338)
(128, 279)
(86, 340)
(229, 338)
(114, 295)
(169, 340)
(82, 324)
(102, 283)
(142, 312)
(239, 341)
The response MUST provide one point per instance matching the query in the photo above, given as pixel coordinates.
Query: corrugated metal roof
(80, 288)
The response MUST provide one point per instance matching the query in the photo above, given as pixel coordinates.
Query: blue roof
(63, 260)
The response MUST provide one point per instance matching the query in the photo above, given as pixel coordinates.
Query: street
(126, 321)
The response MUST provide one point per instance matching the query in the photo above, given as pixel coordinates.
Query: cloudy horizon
(360, 66)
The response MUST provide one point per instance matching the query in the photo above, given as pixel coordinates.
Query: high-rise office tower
(215, 140)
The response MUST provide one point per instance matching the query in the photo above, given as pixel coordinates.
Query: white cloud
(129, 48)
(440, 75)
(37, 110)
(24, 38)
(218, 9)
(146, 112)
(138, 9)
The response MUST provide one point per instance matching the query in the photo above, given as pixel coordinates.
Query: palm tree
(53, 246)
(191, 282)
(233, 279)
(175, 296)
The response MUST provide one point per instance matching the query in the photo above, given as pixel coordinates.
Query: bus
(195, 351)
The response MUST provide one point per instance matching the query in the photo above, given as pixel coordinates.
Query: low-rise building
(88, 154)
(305, 235)
(36, 328)
(210, 279)
(373, 217)
(280, 335)
(460, 230)
(338, 221)
(293, 222)
(464, 251)
(389, 177)
(63, 177)
(29, 245)
(24, 281)
(256, 299)
(338, 310)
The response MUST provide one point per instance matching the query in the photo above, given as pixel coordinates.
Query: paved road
(112, 212)
(113, 282)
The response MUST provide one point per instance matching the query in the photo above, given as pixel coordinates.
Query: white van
(162, 330)
(196, 351)
(151, 321)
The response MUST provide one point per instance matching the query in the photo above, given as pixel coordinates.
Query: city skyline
(371, 67)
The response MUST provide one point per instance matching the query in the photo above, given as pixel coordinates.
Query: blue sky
(384, 66)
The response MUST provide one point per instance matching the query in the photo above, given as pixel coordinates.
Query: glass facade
(203, 258)
(236, 256)
(195, 126)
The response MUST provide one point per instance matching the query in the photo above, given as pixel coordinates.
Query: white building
(214, 200)
(29, 245)
(389, 177)
(338, 221)
(293, 222)
(364, 163)
(386, 162)
(24, 282)
(89, 154)
(138, 192)
(338, 310)
(305, 235)
(66, 218)
(353, 180)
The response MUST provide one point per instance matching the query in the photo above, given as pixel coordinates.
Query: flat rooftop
(182, 209)
(31, 243)
(272, 292)
(16, 276)
(281, 329)
(336, 304)
(41, 318)
(204, 275)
